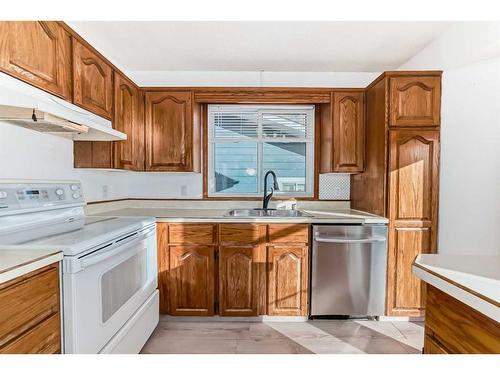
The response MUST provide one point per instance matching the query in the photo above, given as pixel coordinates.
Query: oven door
(103, 289)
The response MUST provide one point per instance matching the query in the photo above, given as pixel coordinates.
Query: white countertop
(217, 216)
(472, 279)
(17, 262)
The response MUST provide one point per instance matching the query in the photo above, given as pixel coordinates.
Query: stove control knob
(74, 187)
(59, 192)
(3, 194)
(76, 195)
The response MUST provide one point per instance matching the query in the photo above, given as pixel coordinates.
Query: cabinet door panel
(169, 131)
(415, 101)
(192, 280)
(287, 277)
(413, 194)
(38, 53)
(239, 280)
(348, 132)
(92, 81)
(128, 154)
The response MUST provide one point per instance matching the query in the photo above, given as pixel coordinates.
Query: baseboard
(244, 319)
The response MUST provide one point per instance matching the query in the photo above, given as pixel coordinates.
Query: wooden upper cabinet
(192, 280)
(128, 154)
(413, 195)
(169, 131)
(348, 131)
(92, 81)
(38, 53)
(288, 280)
(238, 280)
(415, 101)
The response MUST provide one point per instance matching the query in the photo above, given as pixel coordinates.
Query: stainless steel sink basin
(258, 212)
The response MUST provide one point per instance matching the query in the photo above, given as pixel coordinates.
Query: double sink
(259, 212)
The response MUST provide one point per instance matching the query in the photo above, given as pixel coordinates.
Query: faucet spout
(267, 197)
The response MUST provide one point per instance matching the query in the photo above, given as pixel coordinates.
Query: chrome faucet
(275, 187)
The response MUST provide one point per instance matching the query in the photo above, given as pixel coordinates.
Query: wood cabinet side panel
(460, 328)
(163, 266)
(369, 189)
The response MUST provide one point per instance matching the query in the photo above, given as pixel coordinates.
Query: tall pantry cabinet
(402, 175)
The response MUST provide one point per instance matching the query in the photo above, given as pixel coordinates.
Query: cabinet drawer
(239, 233)
(295, 233)
(44, 338)
(201, 234)
(27, 301)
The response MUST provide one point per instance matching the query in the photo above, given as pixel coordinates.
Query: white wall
(27, 154)
(469, 202)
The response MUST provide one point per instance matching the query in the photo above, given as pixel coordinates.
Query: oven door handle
(116, 248)
(347, 240)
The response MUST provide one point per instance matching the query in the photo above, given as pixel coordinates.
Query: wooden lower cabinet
(30, 320)
(238, 280)
(233, 269)
(288, 280)
(431, 346)
(192, 280)
(453, 327)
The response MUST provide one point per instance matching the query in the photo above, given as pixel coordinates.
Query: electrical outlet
(184, 190)
(104, 191)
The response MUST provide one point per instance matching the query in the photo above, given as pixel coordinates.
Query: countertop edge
(30, 266)
(481, 303)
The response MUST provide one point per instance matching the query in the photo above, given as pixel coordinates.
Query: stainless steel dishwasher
(348, 271)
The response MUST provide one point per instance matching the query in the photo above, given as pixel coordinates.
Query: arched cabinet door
(128, 154)
(192, 280)
(39, 53)
(169, 132)
(92, 81)
(413, 195)
(288, 280)
(415, 101)
(348, 131)
(238, 280)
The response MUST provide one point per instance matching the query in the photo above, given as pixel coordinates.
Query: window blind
(245, 141)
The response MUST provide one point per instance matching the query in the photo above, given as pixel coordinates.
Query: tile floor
(318, 336)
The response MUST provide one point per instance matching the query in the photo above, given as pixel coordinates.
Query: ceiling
(256, 46)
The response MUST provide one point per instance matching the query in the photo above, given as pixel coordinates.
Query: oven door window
(121, 282)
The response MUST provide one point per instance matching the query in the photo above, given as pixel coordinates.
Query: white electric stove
(110, 300)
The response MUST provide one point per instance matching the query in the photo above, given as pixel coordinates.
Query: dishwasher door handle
(347, 240)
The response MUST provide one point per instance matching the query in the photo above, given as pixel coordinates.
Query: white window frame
(260, 140)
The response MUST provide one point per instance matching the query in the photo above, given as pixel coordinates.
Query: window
(246, 141)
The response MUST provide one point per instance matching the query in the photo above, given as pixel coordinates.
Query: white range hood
(27, 106)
